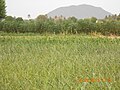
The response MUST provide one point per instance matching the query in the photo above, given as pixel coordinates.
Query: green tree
(2, 9)
(93, 19)
(42, 18)
(19, 19)
(9, 18)
(74, 19)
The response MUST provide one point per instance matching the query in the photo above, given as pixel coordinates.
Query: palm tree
(29, 16)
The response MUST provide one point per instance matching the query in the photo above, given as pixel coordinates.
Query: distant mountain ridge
(80, 11)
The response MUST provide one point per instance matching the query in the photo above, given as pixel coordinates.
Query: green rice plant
(58, 62)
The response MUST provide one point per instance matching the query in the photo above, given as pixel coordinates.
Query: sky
(21, 8)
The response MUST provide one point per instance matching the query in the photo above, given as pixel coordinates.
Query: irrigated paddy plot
(59, 63)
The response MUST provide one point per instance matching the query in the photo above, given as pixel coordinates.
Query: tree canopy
(2, 9)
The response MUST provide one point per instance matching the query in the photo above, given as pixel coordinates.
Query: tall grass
(58, 62)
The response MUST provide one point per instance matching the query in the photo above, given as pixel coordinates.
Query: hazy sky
(21, 8)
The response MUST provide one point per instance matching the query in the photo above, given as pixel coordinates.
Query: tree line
(43, 24)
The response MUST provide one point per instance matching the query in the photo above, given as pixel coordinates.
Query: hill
(80, 11)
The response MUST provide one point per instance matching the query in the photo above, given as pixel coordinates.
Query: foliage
(9, 18)
(44, 24)
(19, 19)
(2, 9)
(58, 63)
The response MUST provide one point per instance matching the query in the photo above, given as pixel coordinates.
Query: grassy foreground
(59, 63)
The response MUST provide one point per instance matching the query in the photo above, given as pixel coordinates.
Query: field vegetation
(59, 62)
